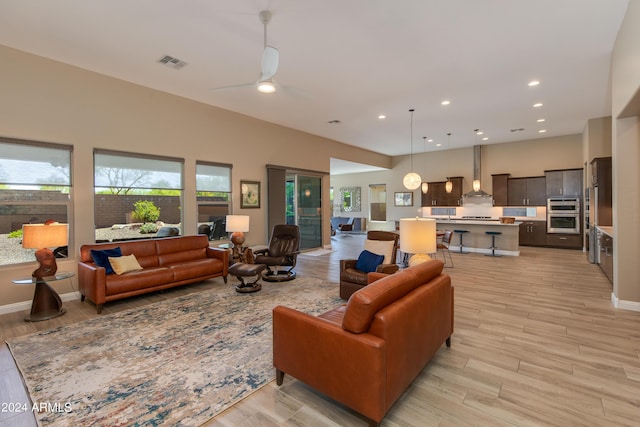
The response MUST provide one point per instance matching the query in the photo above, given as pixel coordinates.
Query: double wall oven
(563, 215)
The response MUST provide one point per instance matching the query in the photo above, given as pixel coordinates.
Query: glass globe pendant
(412, 180)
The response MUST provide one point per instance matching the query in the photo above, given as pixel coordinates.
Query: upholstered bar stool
(461, 233)
(493, 247)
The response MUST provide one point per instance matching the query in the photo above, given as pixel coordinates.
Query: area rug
(175, 362)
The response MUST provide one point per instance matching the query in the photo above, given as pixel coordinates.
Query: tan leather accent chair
(352, 279)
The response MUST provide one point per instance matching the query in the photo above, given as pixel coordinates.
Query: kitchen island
(477, 241)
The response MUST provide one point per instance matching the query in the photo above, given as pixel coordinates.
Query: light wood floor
(536, 342)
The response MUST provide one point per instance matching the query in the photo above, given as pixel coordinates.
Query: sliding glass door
(303, 207)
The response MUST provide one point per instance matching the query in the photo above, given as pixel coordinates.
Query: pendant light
(476, 181)
(411, 180)
(448, 187)
(425, 186)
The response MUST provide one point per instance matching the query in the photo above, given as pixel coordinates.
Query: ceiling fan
(270, 59)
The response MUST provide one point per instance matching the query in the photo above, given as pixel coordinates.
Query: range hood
(477, 196)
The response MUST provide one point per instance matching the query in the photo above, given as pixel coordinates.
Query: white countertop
(486, 222)
(606, 229)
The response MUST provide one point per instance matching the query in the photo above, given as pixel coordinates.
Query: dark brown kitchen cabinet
(533, 233)
(438, 196)
(530, 191)
(606, 256)
(565, 241)
(602, 191)
(565, 182)
(500, 189)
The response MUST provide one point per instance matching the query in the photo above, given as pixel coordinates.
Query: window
(35, 186)
(137, 196)
(213, 193)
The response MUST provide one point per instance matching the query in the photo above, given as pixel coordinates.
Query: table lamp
(418, 237)
(237, 225)
(42, 237)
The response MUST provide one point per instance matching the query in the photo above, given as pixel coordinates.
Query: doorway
(304, 207)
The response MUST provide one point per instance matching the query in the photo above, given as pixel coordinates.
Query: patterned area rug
(175, 362)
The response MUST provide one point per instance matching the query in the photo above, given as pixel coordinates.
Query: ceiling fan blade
(270, 58)
(216, 89)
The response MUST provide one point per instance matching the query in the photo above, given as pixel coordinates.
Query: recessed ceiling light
(382, 116)
(542, 131)
(534, 83)
(438, 145)
(479, 132)
(445, 102)
(540, 120)
(430, 140)
(485, 138)
(539, 104)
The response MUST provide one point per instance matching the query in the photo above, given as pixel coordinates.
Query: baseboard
(26, 305)
(625, 305)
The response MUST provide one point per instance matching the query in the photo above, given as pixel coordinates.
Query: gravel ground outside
(11, 251)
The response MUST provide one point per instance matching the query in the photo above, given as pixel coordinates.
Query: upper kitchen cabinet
(529, 191)
(565, 182)
(437, 196)
(500, 189)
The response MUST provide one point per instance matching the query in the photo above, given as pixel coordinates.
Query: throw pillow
(368, 261)
(380, 247)
(125, 264)
(101, 257)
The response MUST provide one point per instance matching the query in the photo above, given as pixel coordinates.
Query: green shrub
(146, 211)
(148, 228)
(15, 234)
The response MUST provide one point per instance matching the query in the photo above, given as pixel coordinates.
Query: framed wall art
(403, 199)
(250, 194)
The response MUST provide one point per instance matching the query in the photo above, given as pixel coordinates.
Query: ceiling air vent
(172, 62)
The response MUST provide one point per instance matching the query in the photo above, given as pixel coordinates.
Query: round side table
(46, 301)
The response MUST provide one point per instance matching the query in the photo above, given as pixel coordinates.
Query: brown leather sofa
(366, 353)
(167, 262)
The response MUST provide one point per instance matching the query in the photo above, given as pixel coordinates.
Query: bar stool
(493, 246)
(461, 233)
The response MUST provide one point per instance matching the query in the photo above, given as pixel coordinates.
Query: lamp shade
(237, 223)
(38, 236)
(418, 235)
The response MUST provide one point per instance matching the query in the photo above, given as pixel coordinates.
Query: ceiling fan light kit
(266, 86)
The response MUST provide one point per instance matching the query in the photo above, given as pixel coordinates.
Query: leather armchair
(352, 279)
(366, 353)
(283, 250)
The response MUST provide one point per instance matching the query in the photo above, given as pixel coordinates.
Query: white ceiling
(351, 60)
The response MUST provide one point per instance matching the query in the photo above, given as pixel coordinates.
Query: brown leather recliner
(352, 279)
(283, 250)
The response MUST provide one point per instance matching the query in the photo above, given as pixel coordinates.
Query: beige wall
(45, 100)
(626, 159)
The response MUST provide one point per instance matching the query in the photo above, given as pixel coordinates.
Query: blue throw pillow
(368, 261)
(101, 257)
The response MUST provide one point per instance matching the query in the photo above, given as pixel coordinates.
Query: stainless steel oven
(563, 205)
(563, 215)
(563, 223)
